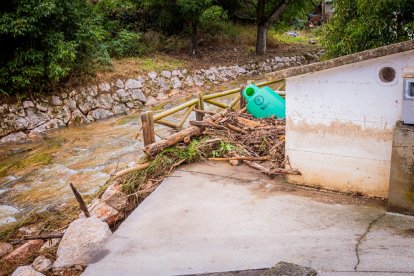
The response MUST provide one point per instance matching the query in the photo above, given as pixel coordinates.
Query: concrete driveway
(212, 217)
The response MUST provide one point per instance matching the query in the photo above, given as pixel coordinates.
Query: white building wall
(340, 122)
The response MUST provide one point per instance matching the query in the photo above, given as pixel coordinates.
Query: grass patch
(166, 161)
(303, 38)
(159, 62)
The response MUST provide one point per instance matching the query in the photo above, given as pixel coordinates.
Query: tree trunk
(261, 40)
(194, 31)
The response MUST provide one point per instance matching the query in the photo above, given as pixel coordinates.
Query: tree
(171, 15)
(363, 24)
(44, 41)
(192, 11)
(268, 12)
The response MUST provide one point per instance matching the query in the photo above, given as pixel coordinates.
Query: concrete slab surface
(212, 217)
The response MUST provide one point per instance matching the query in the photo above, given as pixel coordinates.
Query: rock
(27, 104)
(92, 91)
(49, 244)
(41, 107)
(267, 68)
(114, 197)
(26, 271)
(119, 109)
(151, 101)
(119, 84)
(283, 268)
(77, 117)
(161, 96)
(189, 80)
(5, 248)
(177, 73)
(37, 132)
(28, 230)
(83, 240)
(87, 104)
(23, 251)
(166, 74)
(115, 97)
(138, 95)
(161, 82)
(234, 162)
(104, 212)
(210, 75)
(70, 103)
(241, 70)
(123, 96)
(54, 123)
(198, 80)
(141, 79)
(56, 101)
(13, 137)
(152, 75)
(176, 83)
(105, 101)
(130, 105)
(184, 71)
(132, 84)
(100, 113)
(42, 264)
(104, 87)
(35, 118)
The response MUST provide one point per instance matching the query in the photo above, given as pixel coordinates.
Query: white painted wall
(340, 123)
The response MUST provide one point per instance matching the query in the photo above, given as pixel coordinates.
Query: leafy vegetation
(362, 24)
(47, 42)
(166, 161)
(43, 41)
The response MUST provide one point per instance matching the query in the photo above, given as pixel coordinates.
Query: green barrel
(264, 102)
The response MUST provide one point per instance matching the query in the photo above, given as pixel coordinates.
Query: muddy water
(84, 155)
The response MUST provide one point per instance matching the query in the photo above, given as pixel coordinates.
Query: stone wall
(31, 118)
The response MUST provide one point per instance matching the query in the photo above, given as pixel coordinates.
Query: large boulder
(26, 271)
(42, 264)
(82, 241)
(22, 252)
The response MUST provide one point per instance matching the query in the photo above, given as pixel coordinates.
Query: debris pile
(253, 140)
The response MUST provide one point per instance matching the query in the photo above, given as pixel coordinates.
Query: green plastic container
(264, 102)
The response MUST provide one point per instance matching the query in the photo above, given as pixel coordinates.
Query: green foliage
(122, 38)
(362, 24)
(125, 44)
(223, 149)
(43, 41)
(214, 19)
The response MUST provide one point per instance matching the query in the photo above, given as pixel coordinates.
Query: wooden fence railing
(149, 119)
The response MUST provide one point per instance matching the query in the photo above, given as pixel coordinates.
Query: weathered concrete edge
(341, 61)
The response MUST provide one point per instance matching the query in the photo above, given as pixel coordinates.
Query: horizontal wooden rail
(175, 109)
(149, 119)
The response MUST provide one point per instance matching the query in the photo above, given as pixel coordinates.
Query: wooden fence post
(148, 132)
(200, 106)
(242, 99)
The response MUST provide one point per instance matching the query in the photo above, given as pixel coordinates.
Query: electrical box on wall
(408, 97)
